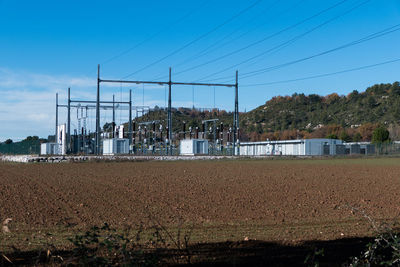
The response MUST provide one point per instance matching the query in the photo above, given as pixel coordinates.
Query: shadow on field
(259, 253)
(244, 253)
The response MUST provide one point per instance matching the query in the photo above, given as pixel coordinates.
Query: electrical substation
(137, 136)
(155, 137)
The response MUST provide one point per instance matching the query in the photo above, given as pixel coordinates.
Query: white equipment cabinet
(49, 149)
(115, 146)
(193, 147)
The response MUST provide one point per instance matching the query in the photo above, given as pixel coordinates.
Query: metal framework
(169, 83)
(214, 121)
(97, 107)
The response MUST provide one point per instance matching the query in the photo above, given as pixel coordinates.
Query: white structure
(61, 149)
(49, 149)
(115, 146)
(193, 147)
(303, 147)
(121, 131)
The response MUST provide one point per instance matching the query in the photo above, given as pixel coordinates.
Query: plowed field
(273, 200)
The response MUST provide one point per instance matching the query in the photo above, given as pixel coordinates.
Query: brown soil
(272, 200)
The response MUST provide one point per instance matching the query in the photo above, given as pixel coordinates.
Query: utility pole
(113, 119)
(215, 134)
(55, 134)
(169, 113)
(98, 112)
(236, 115)
(130, 120)
(69, 122)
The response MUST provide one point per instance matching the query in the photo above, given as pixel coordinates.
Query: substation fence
(387, 149)
(21, 148)
(175, 151)
(155, 151)
(32, 147)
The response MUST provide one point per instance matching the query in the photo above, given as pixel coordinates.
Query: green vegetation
(380, 135)
(105, 246)
(384, 250)
(8, 141)
(353, 117)
(30, 145)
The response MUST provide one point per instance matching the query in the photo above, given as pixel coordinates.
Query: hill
(305, 116)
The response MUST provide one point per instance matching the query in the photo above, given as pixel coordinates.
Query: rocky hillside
(301, 115)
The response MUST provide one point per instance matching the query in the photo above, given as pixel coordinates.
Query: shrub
(380, 135)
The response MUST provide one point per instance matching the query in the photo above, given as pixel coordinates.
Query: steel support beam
(169, 113)
(69, 122)
(97, 150)
(169, 82)
(103, 102)
(236, 115)
(113, 119)
(87, 106)
(55, 133)
(130, 121)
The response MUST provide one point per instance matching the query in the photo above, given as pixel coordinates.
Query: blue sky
(47, 46)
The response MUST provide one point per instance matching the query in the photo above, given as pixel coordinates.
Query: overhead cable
(287, 43)
(324, 75)
(195, 40)
(359, 41)
(261, 40)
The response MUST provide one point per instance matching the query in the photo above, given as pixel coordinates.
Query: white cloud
(22, 79)
(27, 101)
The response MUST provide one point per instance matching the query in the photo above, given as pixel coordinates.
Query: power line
(287, 43)
(359, 41)
(195, 40)
(191, 12)
(262, 40)
(325, 74)
(375, 35)
(207, 49)
(215, 45)
(126, 51)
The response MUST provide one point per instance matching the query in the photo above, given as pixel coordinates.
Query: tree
(371, 101)
(357, 137)
(380, 135)
(394, 131)
(332, 136)
(344, 136)
(51, 138)
(8, 141)
(108, 127)
(353, 95)
(32, 138)
(366, 131)
(395, 89)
